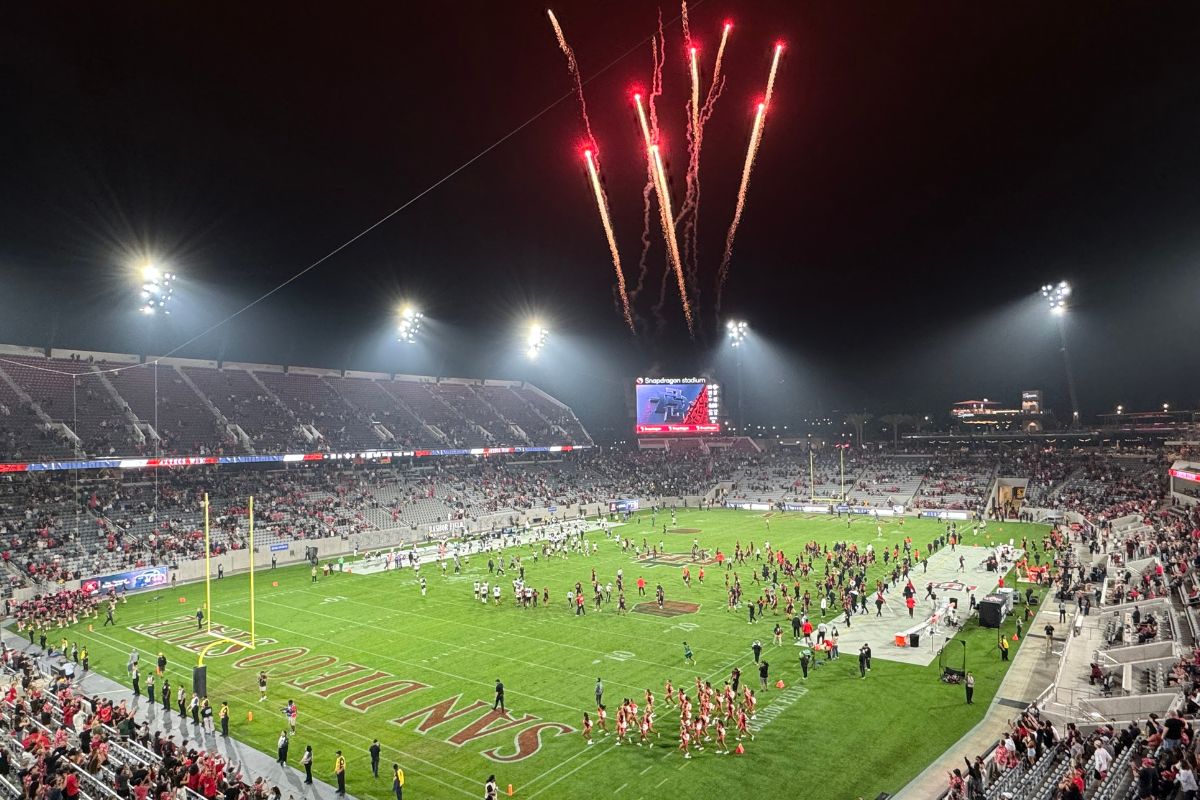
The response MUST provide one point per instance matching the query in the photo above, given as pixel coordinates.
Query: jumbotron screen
(677, 405)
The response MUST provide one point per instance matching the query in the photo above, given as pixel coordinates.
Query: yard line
(311, 720)
(393, 659)
(610, 748)
(544, 619)
(660, 783)
(619, 788)
(647, 769)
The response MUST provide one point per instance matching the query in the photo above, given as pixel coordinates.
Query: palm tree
(858, 422)
(894, 421)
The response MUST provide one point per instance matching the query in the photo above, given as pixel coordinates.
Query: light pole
(737, 331)
(1056, 296)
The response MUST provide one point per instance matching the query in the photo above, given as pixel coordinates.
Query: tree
(858, 422)
(895, 421)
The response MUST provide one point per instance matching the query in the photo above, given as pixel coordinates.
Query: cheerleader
(722, 747)
(587, 729)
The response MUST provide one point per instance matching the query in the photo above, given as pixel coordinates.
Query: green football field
(366, 656)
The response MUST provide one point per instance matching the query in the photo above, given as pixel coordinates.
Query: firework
(751, 154)
(695, 91)
(573, 66)
(771, 76)
(606, 222)
(656, 51)
(654, 162)
(720, 55)
(664, 200)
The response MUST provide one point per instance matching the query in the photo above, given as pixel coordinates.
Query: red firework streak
(606, 222)
(751, 153)
(654, 162)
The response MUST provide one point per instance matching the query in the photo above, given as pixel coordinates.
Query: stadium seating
(268, 425)
(162, 400)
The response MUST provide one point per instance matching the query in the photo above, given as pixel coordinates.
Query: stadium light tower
(157, 292)
(535, 340)
(410, 325)
(1056, 295)
(737, 331)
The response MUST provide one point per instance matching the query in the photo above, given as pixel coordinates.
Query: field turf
(362, 654)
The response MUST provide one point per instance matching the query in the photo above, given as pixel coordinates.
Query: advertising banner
(132, 581)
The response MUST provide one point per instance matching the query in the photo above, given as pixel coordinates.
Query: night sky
(925, 168)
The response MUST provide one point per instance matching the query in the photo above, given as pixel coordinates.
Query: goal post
(221, 635)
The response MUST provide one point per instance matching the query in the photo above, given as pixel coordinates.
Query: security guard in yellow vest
(339, 769)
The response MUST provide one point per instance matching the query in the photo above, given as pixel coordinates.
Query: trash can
(914, 639)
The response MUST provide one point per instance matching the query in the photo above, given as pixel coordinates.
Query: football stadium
(353, 444)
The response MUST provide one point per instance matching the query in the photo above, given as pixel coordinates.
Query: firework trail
(699, 114)
(658, 55)
(664, 202)
(666, 217)
(720, 56)
(573, 66)
(751, 153)
(606, 221)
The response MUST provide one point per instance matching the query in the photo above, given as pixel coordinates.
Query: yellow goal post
(221, 635)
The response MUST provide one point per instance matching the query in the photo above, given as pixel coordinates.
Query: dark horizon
(920, 176)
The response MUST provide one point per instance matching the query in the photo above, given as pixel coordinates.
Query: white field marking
(664, 780)
(457, 649)
(619, 788)
(491, 629)
(121, 649)
(647, 769)
(394, 660)
(631, 616)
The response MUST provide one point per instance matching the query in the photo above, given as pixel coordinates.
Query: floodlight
(1056, 296)
(737, 331)
(535, 340)
(157, 290)
(410, 325)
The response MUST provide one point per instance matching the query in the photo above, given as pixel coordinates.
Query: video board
(677, 406)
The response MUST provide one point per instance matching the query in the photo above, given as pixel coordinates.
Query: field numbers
(619, 655)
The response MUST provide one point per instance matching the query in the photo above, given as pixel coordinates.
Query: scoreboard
(674, 406)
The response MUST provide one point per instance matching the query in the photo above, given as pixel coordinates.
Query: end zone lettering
(368, 688)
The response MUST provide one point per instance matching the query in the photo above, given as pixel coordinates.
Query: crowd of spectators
(57, 742)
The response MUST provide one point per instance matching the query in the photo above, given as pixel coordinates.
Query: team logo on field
(671, 608)
(953, 586)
